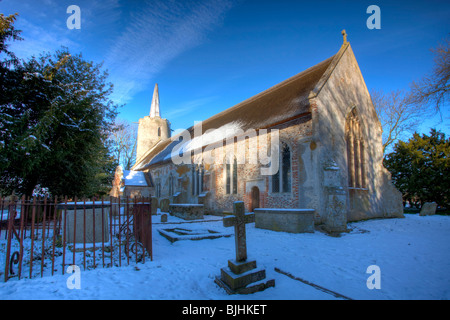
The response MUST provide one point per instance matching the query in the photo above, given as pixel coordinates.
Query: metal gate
(43, 236)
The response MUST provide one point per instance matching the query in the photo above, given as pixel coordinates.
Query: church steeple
(152, 128)
(154, 109)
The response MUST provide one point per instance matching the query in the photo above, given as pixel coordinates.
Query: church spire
(154, 109)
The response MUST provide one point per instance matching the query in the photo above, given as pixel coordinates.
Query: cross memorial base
(243, 278)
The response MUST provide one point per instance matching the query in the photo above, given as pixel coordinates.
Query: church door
(255, 198)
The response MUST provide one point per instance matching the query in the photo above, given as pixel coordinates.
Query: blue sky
(207, 56)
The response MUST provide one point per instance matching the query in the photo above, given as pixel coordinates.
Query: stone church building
(329, 150)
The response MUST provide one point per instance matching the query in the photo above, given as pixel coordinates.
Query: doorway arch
(254, 198)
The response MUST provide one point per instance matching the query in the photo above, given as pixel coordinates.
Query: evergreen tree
(55, 116)
(420, 168)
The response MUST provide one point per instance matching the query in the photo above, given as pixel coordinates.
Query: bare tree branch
(433, 89)
(396, 114)
(124, 139)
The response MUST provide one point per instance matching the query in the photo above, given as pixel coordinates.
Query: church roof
(283, 102)
(135, 178)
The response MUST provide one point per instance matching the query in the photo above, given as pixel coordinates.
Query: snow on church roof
(134, 178)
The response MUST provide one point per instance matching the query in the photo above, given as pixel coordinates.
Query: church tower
(152, 128)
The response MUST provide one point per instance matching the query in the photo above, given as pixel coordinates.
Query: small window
(171, 185)
(231, 177)
(158, 189)
(235, 176)
(193, 181)
(228, 178)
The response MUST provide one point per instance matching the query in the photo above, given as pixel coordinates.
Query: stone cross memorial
(241, 276)
(238, 221)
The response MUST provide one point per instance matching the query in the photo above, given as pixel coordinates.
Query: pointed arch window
(231, 176)
(355, 151)
(158, 188)
(171, 185)
(197, 180)
(281, 181)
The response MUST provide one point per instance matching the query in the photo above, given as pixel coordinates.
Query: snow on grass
(413, 255)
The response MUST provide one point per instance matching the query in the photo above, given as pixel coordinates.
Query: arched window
(171, 185)
(202, 174)
(355, 151)
(235, 176)
(159, 131)
(197, 180)
(281, 181)
(231, 176)
(193, 181)
(158, 188)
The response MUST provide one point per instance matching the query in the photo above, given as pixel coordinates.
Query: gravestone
(164, 205)
(85, 222)
(241, 276)
(164, 217)
(154, 205)
(428, 209)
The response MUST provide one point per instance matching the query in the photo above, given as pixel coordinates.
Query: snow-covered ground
(413, 256)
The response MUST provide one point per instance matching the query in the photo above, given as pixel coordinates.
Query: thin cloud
(159, 32)
(44, 28)
(187, 108)
(38, 39)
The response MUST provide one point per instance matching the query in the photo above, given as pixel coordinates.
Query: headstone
(164, 217)
(85, 222)
(154, 205)
(428, 209)
(241, 276)
(164, 205)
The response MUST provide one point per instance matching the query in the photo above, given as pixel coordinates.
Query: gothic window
(158, 189)
(228, 178)
(235, 176)
(281, 181)
(276, 182)
(197, 180)
(231, 177)
(202, 174)
(193, 181)
(171, 185)
(197, 185)
(355, 151)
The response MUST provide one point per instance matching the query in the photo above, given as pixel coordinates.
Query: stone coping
(283, 210)
(185, 205)
(92, 205)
